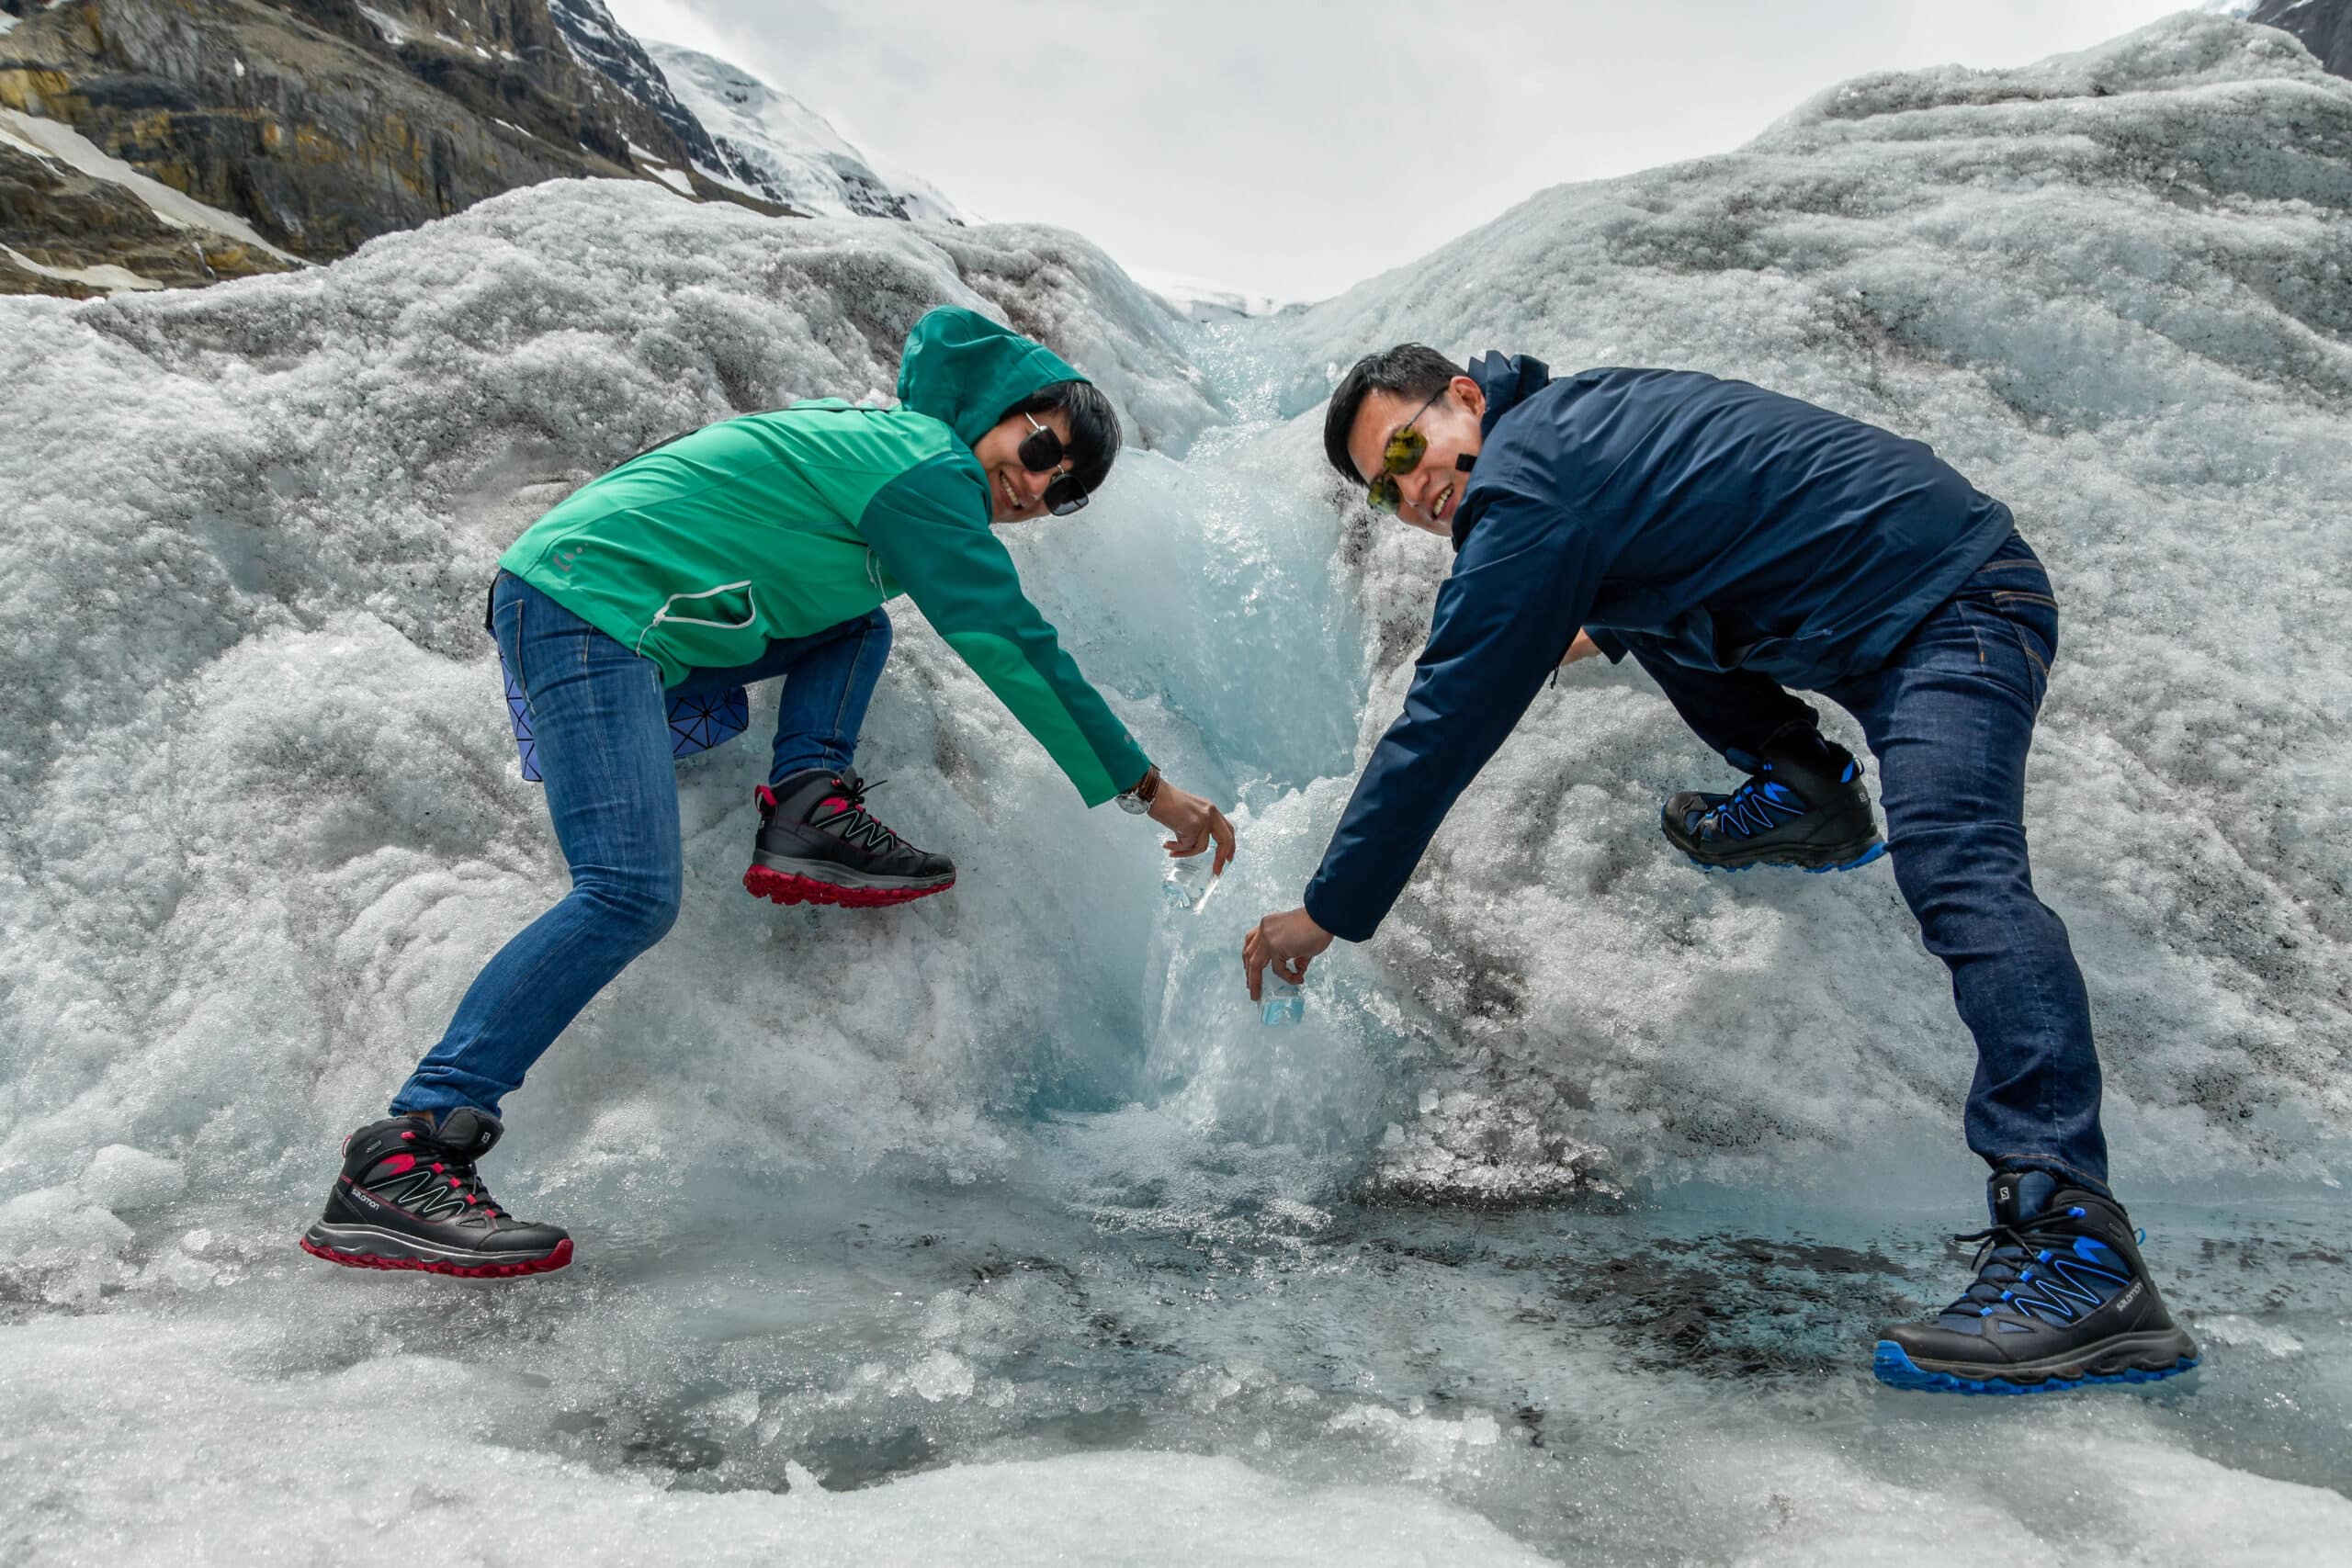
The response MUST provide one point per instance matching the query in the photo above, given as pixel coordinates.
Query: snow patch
(395, 32)
(105, 275)
(675, 179)
(55, 139)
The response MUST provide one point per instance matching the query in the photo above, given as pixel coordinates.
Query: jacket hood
(1505, 381)
(965, 370)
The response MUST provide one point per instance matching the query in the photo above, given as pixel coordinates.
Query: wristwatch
(1136, 801)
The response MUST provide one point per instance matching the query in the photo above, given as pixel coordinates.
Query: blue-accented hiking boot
(1804, 806)
(2061, 1299)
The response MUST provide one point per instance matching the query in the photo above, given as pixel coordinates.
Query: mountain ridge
(322, 124)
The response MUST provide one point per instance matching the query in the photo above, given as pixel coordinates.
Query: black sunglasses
(1401, 455)
(1042, 453)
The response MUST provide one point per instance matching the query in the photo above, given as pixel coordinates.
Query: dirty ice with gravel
(995, 1228)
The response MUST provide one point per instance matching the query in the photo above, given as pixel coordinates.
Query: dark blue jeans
(1949, 718)
(602, 725)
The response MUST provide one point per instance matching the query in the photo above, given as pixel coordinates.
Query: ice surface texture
(262, 822)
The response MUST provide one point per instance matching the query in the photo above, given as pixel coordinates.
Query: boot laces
(858, 824)
(1750, 808)
(449, 1181)
(2031, 1266)
(468, 1184)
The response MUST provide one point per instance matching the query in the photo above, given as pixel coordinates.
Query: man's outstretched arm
(1504, 620)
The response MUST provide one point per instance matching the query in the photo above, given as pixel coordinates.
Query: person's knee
(877, 629)
(637, 910)
(659, 911)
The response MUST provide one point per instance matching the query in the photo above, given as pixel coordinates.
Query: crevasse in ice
(1011, 1186)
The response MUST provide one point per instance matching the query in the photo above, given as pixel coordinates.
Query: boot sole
(1810, 868)
(2125, 1359)
(363, 1246)
(796, 887)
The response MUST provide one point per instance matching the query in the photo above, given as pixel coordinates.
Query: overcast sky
(1298, 146)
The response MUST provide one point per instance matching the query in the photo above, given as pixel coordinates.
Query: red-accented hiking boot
(409, 1198)
(817, 844)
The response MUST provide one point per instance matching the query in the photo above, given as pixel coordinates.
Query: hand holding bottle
(1195, 823)
(1286, 943)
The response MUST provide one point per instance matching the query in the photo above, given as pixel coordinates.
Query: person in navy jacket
(1739, 544)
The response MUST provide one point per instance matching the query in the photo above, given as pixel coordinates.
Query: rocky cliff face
(2324, 25)
(623, 76)
(67, 232)
(321, 123)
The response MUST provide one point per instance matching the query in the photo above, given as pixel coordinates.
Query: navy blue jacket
(1708, 523)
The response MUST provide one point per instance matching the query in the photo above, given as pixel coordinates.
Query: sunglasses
(1041, 453)
(1402, 456)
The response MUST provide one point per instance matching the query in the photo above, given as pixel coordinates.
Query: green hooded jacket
(698, 552)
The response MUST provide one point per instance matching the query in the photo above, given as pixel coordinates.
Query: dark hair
(1093, 428)
(1413, 370)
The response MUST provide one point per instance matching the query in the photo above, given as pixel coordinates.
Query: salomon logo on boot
(817, 844)
(2061, 1299)
(1804, 806)
(409, 1198)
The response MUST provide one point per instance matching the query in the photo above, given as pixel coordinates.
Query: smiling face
(1015, 494)
(1433, 488)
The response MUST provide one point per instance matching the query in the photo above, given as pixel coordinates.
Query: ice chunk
(942, 1374)
(125, 1179)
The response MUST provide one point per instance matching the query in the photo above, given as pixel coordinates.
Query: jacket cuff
(1331, 920)
(1119, 776)
(1607, 642)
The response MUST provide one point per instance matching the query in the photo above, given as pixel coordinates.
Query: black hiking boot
(817, 844)
(1804, 806)
(409, 1198)
(2061, 1299)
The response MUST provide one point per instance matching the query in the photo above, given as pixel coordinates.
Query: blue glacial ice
(997, 1226)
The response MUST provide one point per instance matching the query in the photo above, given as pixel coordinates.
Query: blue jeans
(1950, 716)
(600, 719)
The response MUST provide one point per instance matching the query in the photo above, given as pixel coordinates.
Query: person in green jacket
(758, 547)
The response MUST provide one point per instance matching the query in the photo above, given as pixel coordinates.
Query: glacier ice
(1522, 1241)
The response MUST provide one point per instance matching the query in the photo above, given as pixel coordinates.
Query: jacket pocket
(2016, 641)
(730, 608)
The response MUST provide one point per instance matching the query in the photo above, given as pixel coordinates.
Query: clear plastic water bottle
(1186, 882)
(1282, 1004)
